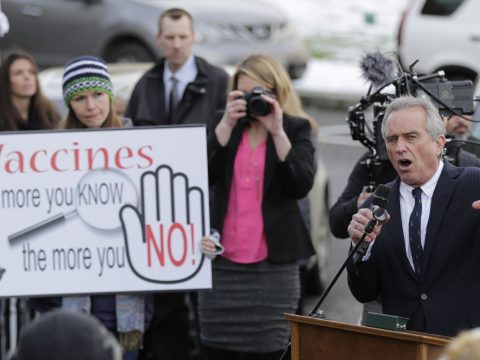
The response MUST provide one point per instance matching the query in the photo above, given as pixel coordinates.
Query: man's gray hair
(435, 125)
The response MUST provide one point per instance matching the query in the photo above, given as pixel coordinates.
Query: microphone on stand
(380, 216)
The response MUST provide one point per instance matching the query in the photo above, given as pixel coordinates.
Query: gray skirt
(245, 309)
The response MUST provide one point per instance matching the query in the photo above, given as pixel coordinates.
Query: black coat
(342, 211)
(444, 300)
(284, 183)
(202, 102)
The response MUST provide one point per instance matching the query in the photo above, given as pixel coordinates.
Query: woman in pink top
(261, 161)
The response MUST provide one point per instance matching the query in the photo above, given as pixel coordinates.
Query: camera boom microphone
(380, 216)
(377, 68)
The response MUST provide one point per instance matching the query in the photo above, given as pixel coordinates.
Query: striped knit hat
(85, 73)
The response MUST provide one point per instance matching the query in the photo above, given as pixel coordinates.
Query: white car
(441, 35)
(54, 31)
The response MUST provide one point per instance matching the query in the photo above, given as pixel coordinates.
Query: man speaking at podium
(424, 262)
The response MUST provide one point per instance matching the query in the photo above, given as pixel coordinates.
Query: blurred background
(320, 42)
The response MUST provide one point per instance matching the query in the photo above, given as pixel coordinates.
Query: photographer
(261, 161)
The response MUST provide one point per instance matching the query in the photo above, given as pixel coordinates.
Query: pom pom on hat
(86, 73)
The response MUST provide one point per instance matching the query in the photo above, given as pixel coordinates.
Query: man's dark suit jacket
(202, 101)
(284, 183)
(446, 297)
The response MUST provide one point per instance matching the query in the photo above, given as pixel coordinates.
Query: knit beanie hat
(86, 73)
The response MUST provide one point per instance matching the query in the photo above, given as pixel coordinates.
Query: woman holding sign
(22, 104)
(261, 161)
(88, 94)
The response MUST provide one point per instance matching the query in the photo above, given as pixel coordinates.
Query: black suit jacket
(202, 101)
(284, 183)
(445, 299)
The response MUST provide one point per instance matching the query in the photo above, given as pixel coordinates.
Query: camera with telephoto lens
(256, 106)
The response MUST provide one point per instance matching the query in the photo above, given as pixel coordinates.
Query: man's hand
(358, 223)
(476, 204)
(162, 239)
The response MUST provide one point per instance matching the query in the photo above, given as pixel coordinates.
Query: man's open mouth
(404, 163)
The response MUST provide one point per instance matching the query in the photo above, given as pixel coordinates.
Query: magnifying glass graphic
(98, 198)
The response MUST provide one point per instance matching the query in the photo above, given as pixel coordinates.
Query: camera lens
(258, 106)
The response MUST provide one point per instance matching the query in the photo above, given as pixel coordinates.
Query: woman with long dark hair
(22, 104)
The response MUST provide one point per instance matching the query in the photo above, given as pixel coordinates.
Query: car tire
(131, 51)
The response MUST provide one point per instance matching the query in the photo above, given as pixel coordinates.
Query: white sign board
(102, 211)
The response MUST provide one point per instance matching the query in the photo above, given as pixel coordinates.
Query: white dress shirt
(184, 75)
(407, 202)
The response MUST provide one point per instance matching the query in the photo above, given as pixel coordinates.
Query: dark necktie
(172, 100)
(414, 230)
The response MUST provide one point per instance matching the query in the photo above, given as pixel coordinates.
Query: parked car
(54, 31)
(442, 35)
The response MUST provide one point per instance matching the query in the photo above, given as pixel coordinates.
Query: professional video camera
(388, 81)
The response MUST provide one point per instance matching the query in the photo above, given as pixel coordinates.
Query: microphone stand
(319, 314)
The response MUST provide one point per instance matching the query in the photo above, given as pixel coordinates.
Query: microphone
(380, 216)
(377, 69)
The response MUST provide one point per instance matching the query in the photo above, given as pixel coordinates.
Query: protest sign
(102, 211)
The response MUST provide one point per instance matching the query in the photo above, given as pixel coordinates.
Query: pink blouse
(243, 233)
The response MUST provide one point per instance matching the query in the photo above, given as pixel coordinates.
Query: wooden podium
(313, 338)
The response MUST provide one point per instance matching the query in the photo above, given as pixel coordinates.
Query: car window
(441, 7)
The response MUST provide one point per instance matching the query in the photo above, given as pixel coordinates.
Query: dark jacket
(342, 211)
(444, 300)
(284, 183)
(202, 101)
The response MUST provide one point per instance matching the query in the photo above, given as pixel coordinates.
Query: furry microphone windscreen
(377, 68)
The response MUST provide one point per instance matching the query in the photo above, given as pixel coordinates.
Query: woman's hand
(210, 245)
(273, 122)
(235, 109)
